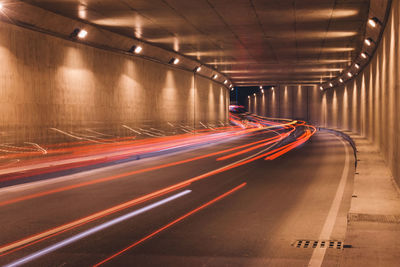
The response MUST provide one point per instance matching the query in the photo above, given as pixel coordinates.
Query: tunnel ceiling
(251, 41)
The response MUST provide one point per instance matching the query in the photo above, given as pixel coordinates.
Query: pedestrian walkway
(374, 217)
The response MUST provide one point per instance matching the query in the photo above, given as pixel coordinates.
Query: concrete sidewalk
(374, 216)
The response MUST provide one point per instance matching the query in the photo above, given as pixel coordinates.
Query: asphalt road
(274, 203)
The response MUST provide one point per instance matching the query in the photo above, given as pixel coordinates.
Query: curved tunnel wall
(368, 105)
(49, 83)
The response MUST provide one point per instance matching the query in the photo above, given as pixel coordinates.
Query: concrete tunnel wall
(47, 82)
(367, 105)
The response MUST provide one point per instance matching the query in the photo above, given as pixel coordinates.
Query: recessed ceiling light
(373, 22)
(82, 34)
(215, 76)
(226, 81)
(260, 87)
(357, 66)
(321, 88)
(364, 55)
(272, 88)
(136, 49)
(341, 80)
(262, 91)
(330, 84)
(349, 74)
(197, 69)
(174, 61)
(368, 41)
(254, 94)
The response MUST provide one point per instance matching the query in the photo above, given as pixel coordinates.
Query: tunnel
(200, 133)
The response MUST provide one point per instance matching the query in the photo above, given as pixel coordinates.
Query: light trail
(78, 222)
(171, 224)
(118, 176)
(93, 230)
(272, 141)
(28, 241)
(63, 164)
(254, 145)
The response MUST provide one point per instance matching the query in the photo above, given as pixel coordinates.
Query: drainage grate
(360, 217)
(318, 244)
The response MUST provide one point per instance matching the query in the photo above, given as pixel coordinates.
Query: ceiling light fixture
(262, 91)
(330, 84)
(174, 61)
(349, 74)
(368, 41)
(82, 34)
(373, 22)
(357, 66)
(135, 49)
(78, 33)
(260, 86)
(254, 94)
(340, 80)
(364, 55)
(226, 81)
(197, 69)
(321, 88)
(215, 76)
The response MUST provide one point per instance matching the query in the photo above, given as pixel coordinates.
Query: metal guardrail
(345, 137)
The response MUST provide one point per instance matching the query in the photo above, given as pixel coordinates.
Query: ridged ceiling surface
(252, 41)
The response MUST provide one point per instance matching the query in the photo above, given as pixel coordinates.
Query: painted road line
(319, 253)
(93, 230)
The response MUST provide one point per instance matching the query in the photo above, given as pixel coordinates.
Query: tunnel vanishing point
(200, 133)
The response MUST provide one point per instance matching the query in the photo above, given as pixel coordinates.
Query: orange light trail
(118, 176)
(171, 224)
(17, 245)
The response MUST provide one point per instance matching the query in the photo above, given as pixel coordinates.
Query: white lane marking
(94, 230)
(319, 253)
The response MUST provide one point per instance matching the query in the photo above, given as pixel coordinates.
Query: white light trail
(93, 230)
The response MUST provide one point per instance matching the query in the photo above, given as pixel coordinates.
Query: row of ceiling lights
(262, 91)
(136, 49)
(373, 22)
